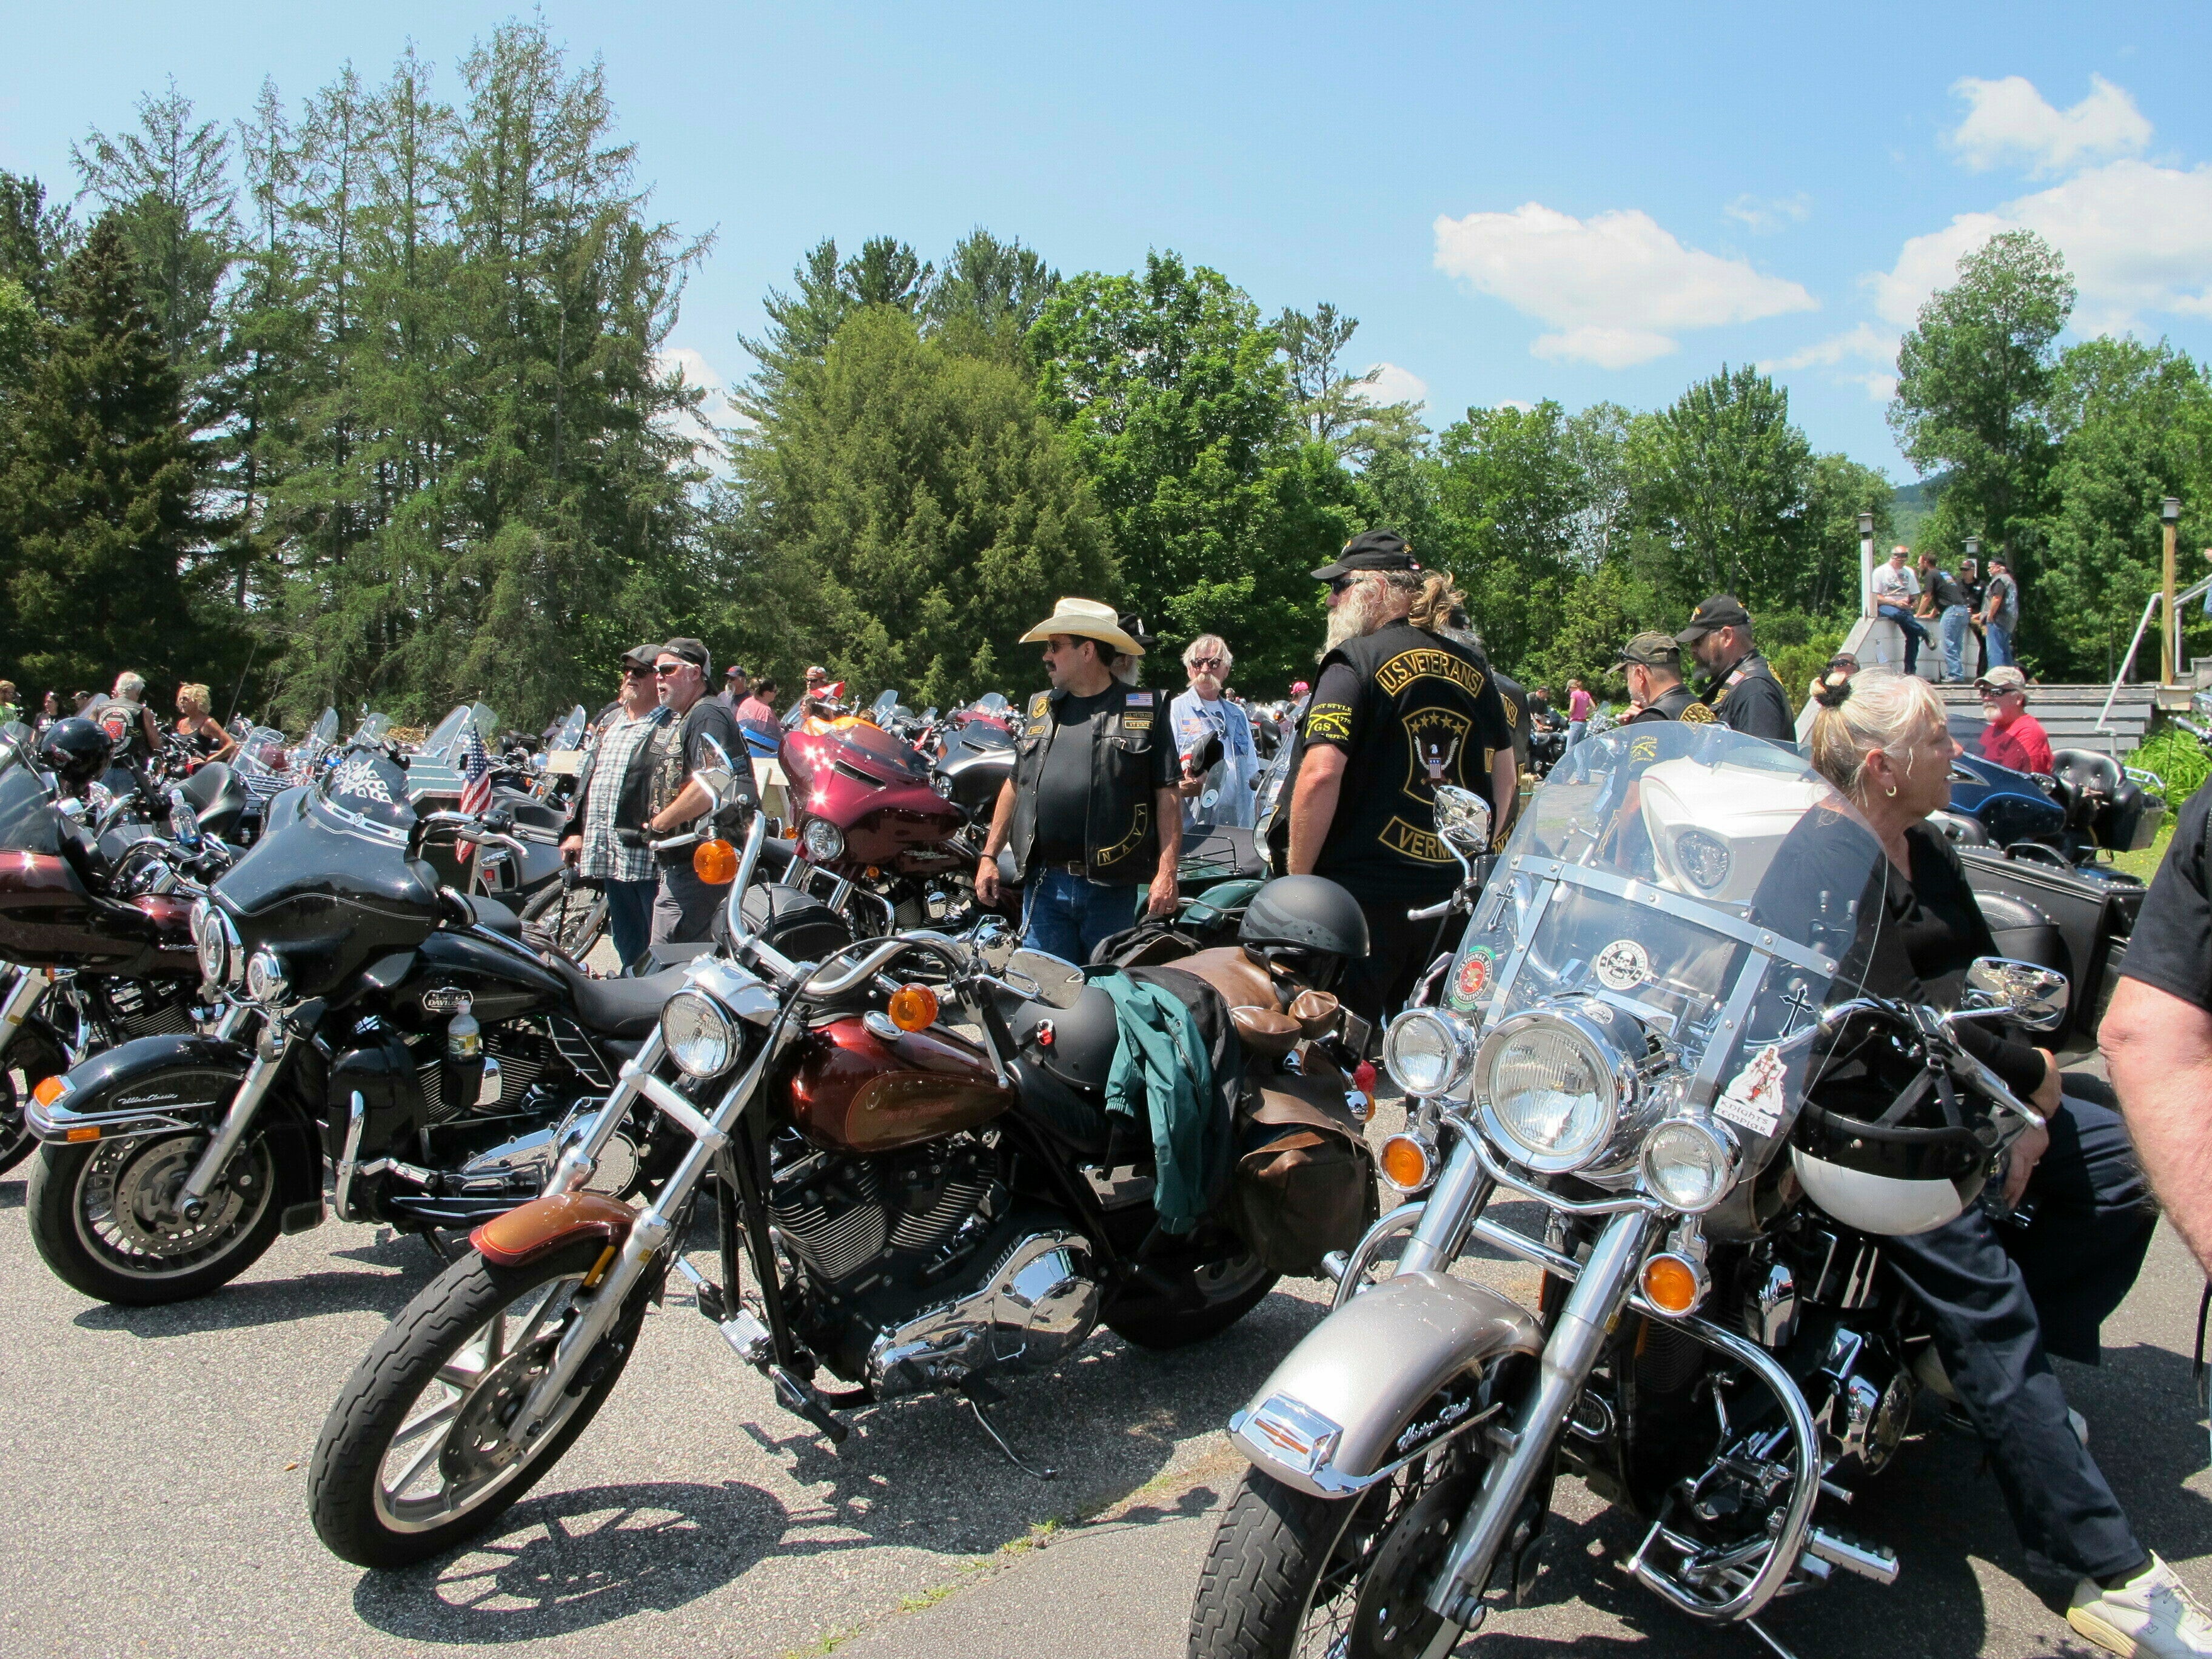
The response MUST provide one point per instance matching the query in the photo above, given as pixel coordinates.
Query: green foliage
(923, 515)
(826, 291)
(1510, 488)
(97, 507)
(2179, 760)
(989, 296)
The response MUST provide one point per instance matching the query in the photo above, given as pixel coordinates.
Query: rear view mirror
(1463, 821)
(2028, 992)
(1044, 978)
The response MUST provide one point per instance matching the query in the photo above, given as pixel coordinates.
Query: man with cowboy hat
(1091, 814)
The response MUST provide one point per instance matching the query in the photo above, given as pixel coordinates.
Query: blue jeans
(1955, 641)
(1067, 916)
(1915, 634)
(2000, 647)
(630, 916)
(1577, 730)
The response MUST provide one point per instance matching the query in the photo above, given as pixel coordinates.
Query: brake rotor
(144, 1178)
(479, 1444)
(1390, 1621)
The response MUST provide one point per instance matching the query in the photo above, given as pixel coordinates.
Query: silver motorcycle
(1662, 979)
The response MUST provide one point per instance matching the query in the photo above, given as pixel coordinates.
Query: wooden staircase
(2068, 713)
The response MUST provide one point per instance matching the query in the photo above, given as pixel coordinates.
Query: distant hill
(1913, 502)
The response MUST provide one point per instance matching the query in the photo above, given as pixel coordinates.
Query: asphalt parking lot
(155, 1501)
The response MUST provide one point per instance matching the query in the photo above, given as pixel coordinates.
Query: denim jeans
(630, 916)
(2000, 647)
(1577, 730)
(1067, 916)
(1915, 635)
(1955, 641)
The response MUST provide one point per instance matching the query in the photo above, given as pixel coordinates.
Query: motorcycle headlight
(1428, 1051)
(1689, 1165)
(825, 842)
(217, 942)
(1551, 1088)
(265, 978)
(701, 1039)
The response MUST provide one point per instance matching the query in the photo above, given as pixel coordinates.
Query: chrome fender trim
(1328, 1419)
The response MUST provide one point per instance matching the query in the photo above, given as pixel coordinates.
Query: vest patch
(1415, 842)
(1329, 722)
(1698, 715)
(1431, 663)
(1140, 700)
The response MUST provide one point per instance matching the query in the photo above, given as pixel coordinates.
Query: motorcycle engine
(915, 1270)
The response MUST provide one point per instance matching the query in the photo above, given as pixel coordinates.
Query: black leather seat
(488, 912)
(2085, 768)
(618, 1007)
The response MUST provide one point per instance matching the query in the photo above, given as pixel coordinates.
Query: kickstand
(999, 1440)
(1761, 1632)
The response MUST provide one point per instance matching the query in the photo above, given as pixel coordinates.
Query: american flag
(475, 780)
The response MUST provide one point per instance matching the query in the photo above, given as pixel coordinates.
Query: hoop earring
(1891, 792)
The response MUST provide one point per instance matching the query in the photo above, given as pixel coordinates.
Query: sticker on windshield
(1622, 965)
(1473, 978)
(1753, 1099)
(358, 777)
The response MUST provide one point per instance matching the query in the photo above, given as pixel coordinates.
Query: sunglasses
(633, 671)
(665, 669)
(1342, 584)
(1205, 662)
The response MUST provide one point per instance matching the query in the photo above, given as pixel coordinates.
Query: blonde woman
(2002, 1298)
(197, 727)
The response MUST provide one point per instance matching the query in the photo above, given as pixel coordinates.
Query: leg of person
(1577, 730)
(1103, 912)
(2000, 654)
(1050, 920)
(1954, 642)
(630, 917)
(1991, 1346)
(2093, 1218)
(683, 910)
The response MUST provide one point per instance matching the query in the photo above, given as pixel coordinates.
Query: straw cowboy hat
(1086, 619)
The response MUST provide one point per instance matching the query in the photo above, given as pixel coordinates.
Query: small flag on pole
(476, 781)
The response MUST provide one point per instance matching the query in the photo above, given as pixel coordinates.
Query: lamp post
(1866, 564)
(2169, 519)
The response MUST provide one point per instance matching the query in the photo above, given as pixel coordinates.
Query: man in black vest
(1742, 688)
(1091, 813)
(1652, 664)
(1400, 708)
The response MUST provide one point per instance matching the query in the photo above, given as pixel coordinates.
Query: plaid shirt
(606, 857)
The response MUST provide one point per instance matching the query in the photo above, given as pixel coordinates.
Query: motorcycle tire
(573, 930)
(98, 1217)
(1215, 1300)
(354, 1514)
(31, 1058)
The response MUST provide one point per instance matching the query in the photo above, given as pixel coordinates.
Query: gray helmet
(1308, 912)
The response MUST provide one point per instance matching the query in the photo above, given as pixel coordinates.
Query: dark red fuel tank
(853, 1091)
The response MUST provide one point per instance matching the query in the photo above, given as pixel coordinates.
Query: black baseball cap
(1651, 649)
(691, 651)
(1133, 626)
(1370, 549)
(1722, 610)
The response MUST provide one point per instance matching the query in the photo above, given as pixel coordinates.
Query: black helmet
(1310, 913)
(76, 750)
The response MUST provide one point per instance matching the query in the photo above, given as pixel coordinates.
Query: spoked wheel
(418, 1453)
(105, 1216)
(569, 919)
(1295, 1577)
(31, 1058)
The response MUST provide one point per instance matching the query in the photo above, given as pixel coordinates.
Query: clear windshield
(885, 705)
(443, 733)
(373, 728)
(326, 728)
(571, 734)
(1709, 883)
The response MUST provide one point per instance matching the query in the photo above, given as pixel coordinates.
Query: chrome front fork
(269, 1057)
(21, 1001)
(1577, 1340)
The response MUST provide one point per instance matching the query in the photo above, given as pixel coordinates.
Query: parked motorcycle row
(892, 1125)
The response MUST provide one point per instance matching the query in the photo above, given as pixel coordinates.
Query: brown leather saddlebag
(1305, 1184)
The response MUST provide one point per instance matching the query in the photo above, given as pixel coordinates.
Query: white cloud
(1394, 385)
(2009, 119)
(715, 411)
(2137, 237)
(1862, 342)
(1520, 403)
(1763, 214)
(1616, 287)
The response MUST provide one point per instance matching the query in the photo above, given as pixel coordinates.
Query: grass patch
(2144, 865)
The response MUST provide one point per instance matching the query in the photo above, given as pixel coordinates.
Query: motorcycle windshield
(27, 822)
(1710, 884)
(872, 755)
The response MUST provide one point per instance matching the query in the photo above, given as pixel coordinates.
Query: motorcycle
(382, 1026)
(94, 934)
(2088, 803)
(918, 1208)
(1657, 986)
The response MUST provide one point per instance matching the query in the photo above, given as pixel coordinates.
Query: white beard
(1360, 612)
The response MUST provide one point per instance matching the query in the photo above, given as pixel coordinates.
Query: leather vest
(1121, 841)
(1677, 703)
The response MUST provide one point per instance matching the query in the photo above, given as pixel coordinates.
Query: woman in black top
(2000, 1295)
(199, 729)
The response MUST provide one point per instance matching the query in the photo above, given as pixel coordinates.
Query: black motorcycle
(393, 1033)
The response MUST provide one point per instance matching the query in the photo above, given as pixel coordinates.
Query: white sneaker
(2151, 1613)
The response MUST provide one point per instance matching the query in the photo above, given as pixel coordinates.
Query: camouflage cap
(1651, 649)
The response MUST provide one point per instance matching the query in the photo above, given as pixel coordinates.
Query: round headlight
(265, 979)
(1553, 1090)
(1427, 1051)
(1689, 1165)
(825, 842)
(701, 1038)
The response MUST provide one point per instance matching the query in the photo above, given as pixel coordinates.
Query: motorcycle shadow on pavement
(245, 1303)
(917, 1474)
(11, 1195)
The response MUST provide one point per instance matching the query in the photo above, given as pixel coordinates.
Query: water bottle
(462, 1074)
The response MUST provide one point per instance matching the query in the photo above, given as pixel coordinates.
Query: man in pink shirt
(2016, 738)
(1579, 713)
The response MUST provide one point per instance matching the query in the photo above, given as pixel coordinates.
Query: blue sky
(1576, 202)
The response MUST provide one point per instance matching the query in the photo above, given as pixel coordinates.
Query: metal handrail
(2194, 591)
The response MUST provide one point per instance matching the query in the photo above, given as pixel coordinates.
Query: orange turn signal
(914, 1007)
(715, 863)
(1673, 1283)
(1408, 1162)
(49, 1089)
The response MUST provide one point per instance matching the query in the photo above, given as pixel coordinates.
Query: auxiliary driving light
(1674, 1284)
(1408, 1162)
(1428, 1051)
(824, 841)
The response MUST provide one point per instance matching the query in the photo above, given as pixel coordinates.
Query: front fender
(1338, 1412)
(150, 1085)
(545, 1224)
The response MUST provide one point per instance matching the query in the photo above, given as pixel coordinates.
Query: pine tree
(101, 489)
